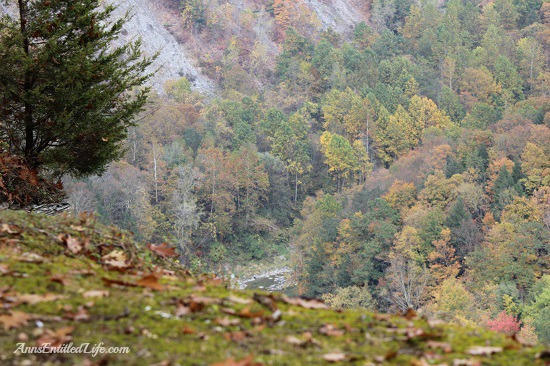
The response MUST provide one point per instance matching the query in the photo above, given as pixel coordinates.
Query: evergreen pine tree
(484, 156)
(457, 214)
(503, 191)
(453, 166)
(517, 175)
(65, 90)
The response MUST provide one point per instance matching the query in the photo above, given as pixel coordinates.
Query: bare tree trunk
(213, 192)
(155, 172)
(368, 153)
(30, 155)
(247, 207)
(296, 188)
(134, 144)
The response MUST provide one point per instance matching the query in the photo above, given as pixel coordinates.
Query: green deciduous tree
(539, 309)
(394, 134)
(531, 58)
(453, 301)
(289, 143)
(251, 181)
(513, 251)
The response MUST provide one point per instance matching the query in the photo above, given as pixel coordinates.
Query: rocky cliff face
(174, 60)
(340, 15)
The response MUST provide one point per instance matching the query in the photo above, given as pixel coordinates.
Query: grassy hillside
(72, 280)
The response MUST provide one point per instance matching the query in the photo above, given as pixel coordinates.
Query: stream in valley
(277, 279)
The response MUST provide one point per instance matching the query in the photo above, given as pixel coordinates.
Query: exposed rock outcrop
(340, 15)
(174, 60)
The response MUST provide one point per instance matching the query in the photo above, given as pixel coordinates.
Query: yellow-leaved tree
(425, 113)
(536, 167)
(344, 159)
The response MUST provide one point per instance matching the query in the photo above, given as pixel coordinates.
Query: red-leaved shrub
(504, 323)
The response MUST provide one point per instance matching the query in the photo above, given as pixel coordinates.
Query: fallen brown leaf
(236, 336)
(247, 361)
(445, 347)
(60, 279)
(73, 244)
(266, 300)
(239, 300)
(226, 322)
(331, 330)
(32, 299)
(308, 340)
(96, 293)
(197, 303)
(15, 319)
(56, 338)
(110, 282)
(4, 269)
(151, 281)
(276, 316)
(483, 351)
(463, 362)
(246, 313)
(205, 300)
(335, 357)
(305, 303)
(9, 241)
(415, 332)
(77, 228)
(84, 216)
(162, 363)
(382, 317)
(82, 272)
(164, 250)
(294, 341)
(80, 315)
(5, 228)
(187, 330)
(31, 258)
(216, 281)
(116, 259)
(182, 310)
(203, 336)
(229, 311)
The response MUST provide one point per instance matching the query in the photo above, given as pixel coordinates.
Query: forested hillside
(401, 160)
(72, 283)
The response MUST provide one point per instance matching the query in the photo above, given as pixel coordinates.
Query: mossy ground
(214, 323)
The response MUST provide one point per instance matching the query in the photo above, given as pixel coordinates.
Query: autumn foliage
(21, 186)
(71, 281)
(504, 323)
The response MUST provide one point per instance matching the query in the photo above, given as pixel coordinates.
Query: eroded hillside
(174, 59)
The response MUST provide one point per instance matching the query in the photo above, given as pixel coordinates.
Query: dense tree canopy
(401, 163)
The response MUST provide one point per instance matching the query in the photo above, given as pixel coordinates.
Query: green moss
(145, 320)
